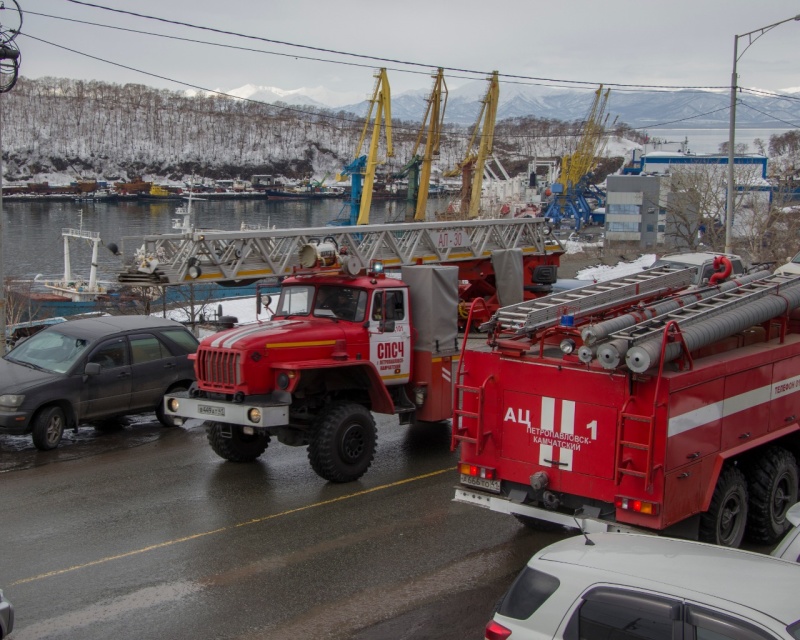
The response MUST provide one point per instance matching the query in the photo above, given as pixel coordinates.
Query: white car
(789, 547)
(791, 268)
(641, 587)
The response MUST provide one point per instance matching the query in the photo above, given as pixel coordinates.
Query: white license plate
(481, 483)
(207, 410)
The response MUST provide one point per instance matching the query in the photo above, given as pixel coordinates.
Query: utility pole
(731, 193)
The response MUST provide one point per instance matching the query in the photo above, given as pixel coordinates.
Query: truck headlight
(11, 400)
(173, 404)
(254, 415)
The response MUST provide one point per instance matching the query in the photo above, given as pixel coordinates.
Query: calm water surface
(33, 242)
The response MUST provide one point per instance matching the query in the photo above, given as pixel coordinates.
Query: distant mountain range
(683, 109)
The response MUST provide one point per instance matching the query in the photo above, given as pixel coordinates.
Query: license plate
(481, 483)
(208, 410)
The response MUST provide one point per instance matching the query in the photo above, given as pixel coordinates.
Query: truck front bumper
(246, 414)
(502, 504)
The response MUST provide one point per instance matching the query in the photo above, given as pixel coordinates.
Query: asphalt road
(146, 533)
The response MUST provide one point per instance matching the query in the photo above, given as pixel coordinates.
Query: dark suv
(90, 370)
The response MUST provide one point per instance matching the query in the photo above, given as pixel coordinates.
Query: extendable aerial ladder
(224, 256)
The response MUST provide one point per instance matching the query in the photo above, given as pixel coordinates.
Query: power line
(769, 115)
(769, 94)
(378, 58)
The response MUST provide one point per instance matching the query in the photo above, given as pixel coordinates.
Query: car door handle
(169, 365)
(124, 374)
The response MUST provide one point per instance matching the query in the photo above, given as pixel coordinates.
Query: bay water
(33, 243)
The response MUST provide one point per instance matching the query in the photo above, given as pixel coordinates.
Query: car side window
(147, 348)
(616, 614)
(530, 590)
(183, 338)
(713, 625)
(111, 354)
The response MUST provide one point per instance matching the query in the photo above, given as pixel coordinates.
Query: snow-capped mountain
(636, 108)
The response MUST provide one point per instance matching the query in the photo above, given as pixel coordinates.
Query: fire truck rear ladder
(460, 433)
(214, 256)
(532, 315)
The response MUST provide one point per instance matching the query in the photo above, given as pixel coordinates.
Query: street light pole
(732, 126)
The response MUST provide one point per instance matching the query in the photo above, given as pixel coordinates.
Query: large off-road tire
(772, 481)
(48, 427)
(228, 441)
(165, 419)
(343, 443)
(724, 522)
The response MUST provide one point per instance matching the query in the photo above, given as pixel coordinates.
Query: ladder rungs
(634, 445)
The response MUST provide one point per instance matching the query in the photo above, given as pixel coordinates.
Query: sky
(675, 43)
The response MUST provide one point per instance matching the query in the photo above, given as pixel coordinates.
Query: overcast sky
(672, 42)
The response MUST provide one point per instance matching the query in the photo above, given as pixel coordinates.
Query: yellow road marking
(195, 536)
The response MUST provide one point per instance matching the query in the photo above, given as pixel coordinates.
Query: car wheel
(772, 479)
(343, 444)
(229, 442)
(724, 522)
(165, 419)
(48, 427)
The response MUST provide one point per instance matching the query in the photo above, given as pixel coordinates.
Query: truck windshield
(295, 301)
(345, 303)
(49, 350)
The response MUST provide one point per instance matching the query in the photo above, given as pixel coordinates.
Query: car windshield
(796, 259)
(49, 351)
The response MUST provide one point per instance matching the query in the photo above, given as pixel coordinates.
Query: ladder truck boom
(653, 402)
(219, 256)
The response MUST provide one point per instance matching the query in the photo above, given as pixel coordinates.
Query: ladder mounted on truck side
(530, 316)
(702, 310)
(220, 256)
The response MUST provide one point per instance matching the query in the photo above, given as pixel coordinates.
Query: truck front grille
(218, 369)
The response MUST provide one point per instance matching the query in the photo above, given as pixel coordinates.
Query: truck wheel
(725, 520)
(165, 419)
(343, 444)
(48, 427)
(228, 441)
(772, 479)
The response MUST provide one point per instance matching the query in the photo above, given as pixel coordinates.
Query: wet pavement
(145, 532)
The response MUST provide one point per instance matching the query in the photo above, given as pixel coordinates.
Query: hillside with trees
(97, 129)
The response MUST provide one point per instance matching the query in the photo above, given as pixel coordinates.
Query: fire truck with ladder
(345, 339)
(649, 402)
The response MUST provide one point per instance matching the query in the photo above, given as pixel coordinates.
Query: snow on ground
(604, 272)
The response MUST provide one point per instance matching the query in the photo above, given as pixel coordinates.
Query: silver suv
(639, 587)
(91, 370)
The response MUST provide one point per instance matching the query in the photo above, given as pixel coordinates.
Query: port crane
(472, 166)
(573, 187)
(362, 168)
(418, 169)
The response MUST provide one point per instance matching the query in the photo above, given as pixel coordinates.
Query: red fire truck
(346, 340)
(647, 402)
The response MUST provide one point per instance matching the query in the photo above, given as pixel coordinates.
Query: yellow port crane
(361, 197)
(472, 166)
(434, 119)
(573, 183)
